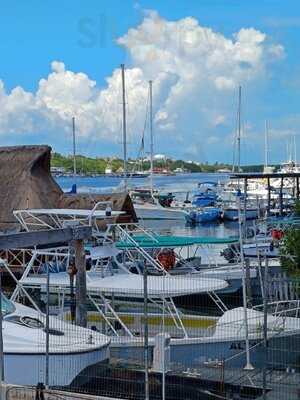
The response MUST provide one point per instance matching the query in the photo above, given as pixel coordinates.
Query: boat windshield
(7, 306)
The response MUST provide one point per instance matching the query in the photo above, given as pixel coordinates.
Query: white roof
(124, 284)
(70, 212)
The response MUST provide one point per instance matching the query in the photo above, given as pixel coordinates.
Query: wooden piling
(81, 291)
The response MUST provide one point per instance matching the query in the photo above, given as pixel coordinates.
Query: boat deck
(280, 384)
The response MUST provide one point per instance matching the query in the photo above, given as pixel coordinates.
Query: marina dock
(106, 307)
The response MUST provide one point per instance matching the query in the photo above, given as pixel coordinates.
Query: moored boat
(71, 348)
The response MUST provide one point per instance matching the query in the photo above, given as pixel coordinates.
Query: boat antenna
(151, 138)
(124, 127)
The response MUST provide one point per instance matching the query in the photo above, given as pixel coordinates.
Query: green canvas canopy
(158, 241)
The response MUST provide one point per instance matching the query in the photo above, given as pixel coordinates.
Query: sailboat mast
(124, 127)
(151, 138)
(74, 147)
(266, 144)
(239, 128)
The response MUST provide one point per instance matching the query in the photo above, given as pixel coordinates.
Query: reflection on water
(226, 229)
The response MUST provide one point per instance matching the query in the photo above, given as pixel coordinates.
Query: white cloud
(195, 70)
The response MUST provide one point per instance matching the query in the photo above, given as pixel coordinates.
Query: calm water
(179, 185)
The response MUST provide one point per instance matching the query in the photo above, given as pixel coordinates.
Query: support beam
(44, 237)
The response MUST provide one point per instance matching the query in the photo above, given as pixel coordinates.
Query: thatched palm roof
(120, 202)
(26, 182)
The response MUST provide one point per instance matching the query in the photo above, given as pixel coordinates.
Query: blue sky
(83, 36)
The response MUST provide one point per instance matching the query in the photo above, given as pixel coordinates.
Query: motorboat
(154, 211)
(231, 213)
(205, 214)
(71, 348)
(148, 206)
(194, 340)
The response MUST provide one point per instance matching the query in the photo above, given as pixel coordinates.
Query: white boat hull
(156, 212)
(29, 369)
(232, 214)
(194, 352)
(71, 348)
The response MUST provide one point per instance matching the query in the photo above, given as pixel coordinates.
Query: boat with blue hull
(204, 199)
(206, 214)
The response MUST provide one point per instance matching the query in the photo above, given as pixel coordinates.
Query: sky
(61, 59)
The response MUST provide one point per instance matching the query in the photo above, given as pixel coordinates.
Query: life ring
(167, 259)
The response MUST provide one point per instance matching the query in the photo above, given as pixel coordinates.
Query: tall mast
(74, 147)
(124, 127)
(239, 128)
(151, 138)
(266, 144)
(295, 150)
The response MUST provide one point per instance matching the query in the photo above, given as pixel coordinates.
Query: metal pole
(248, 365)
(124, 127)
(164, 351)
(74, 147)
(297, 188)
(245, 205)
(146, 333)
(1, 336)
(47, 327)
(280, 197)
(151, 138)
(265, 333)
(248, 283)
(239, 128)
(269, 197)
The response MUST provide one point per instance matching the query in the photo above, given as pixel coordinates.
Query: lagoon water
(179, 185)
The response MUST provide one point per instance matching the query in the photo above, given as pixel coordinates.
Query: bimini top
(131, 284)
(158, 241)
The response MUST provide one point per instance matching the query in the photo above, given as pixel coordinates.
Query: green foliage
(297, 208)
(290, 252)
(88, 165)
